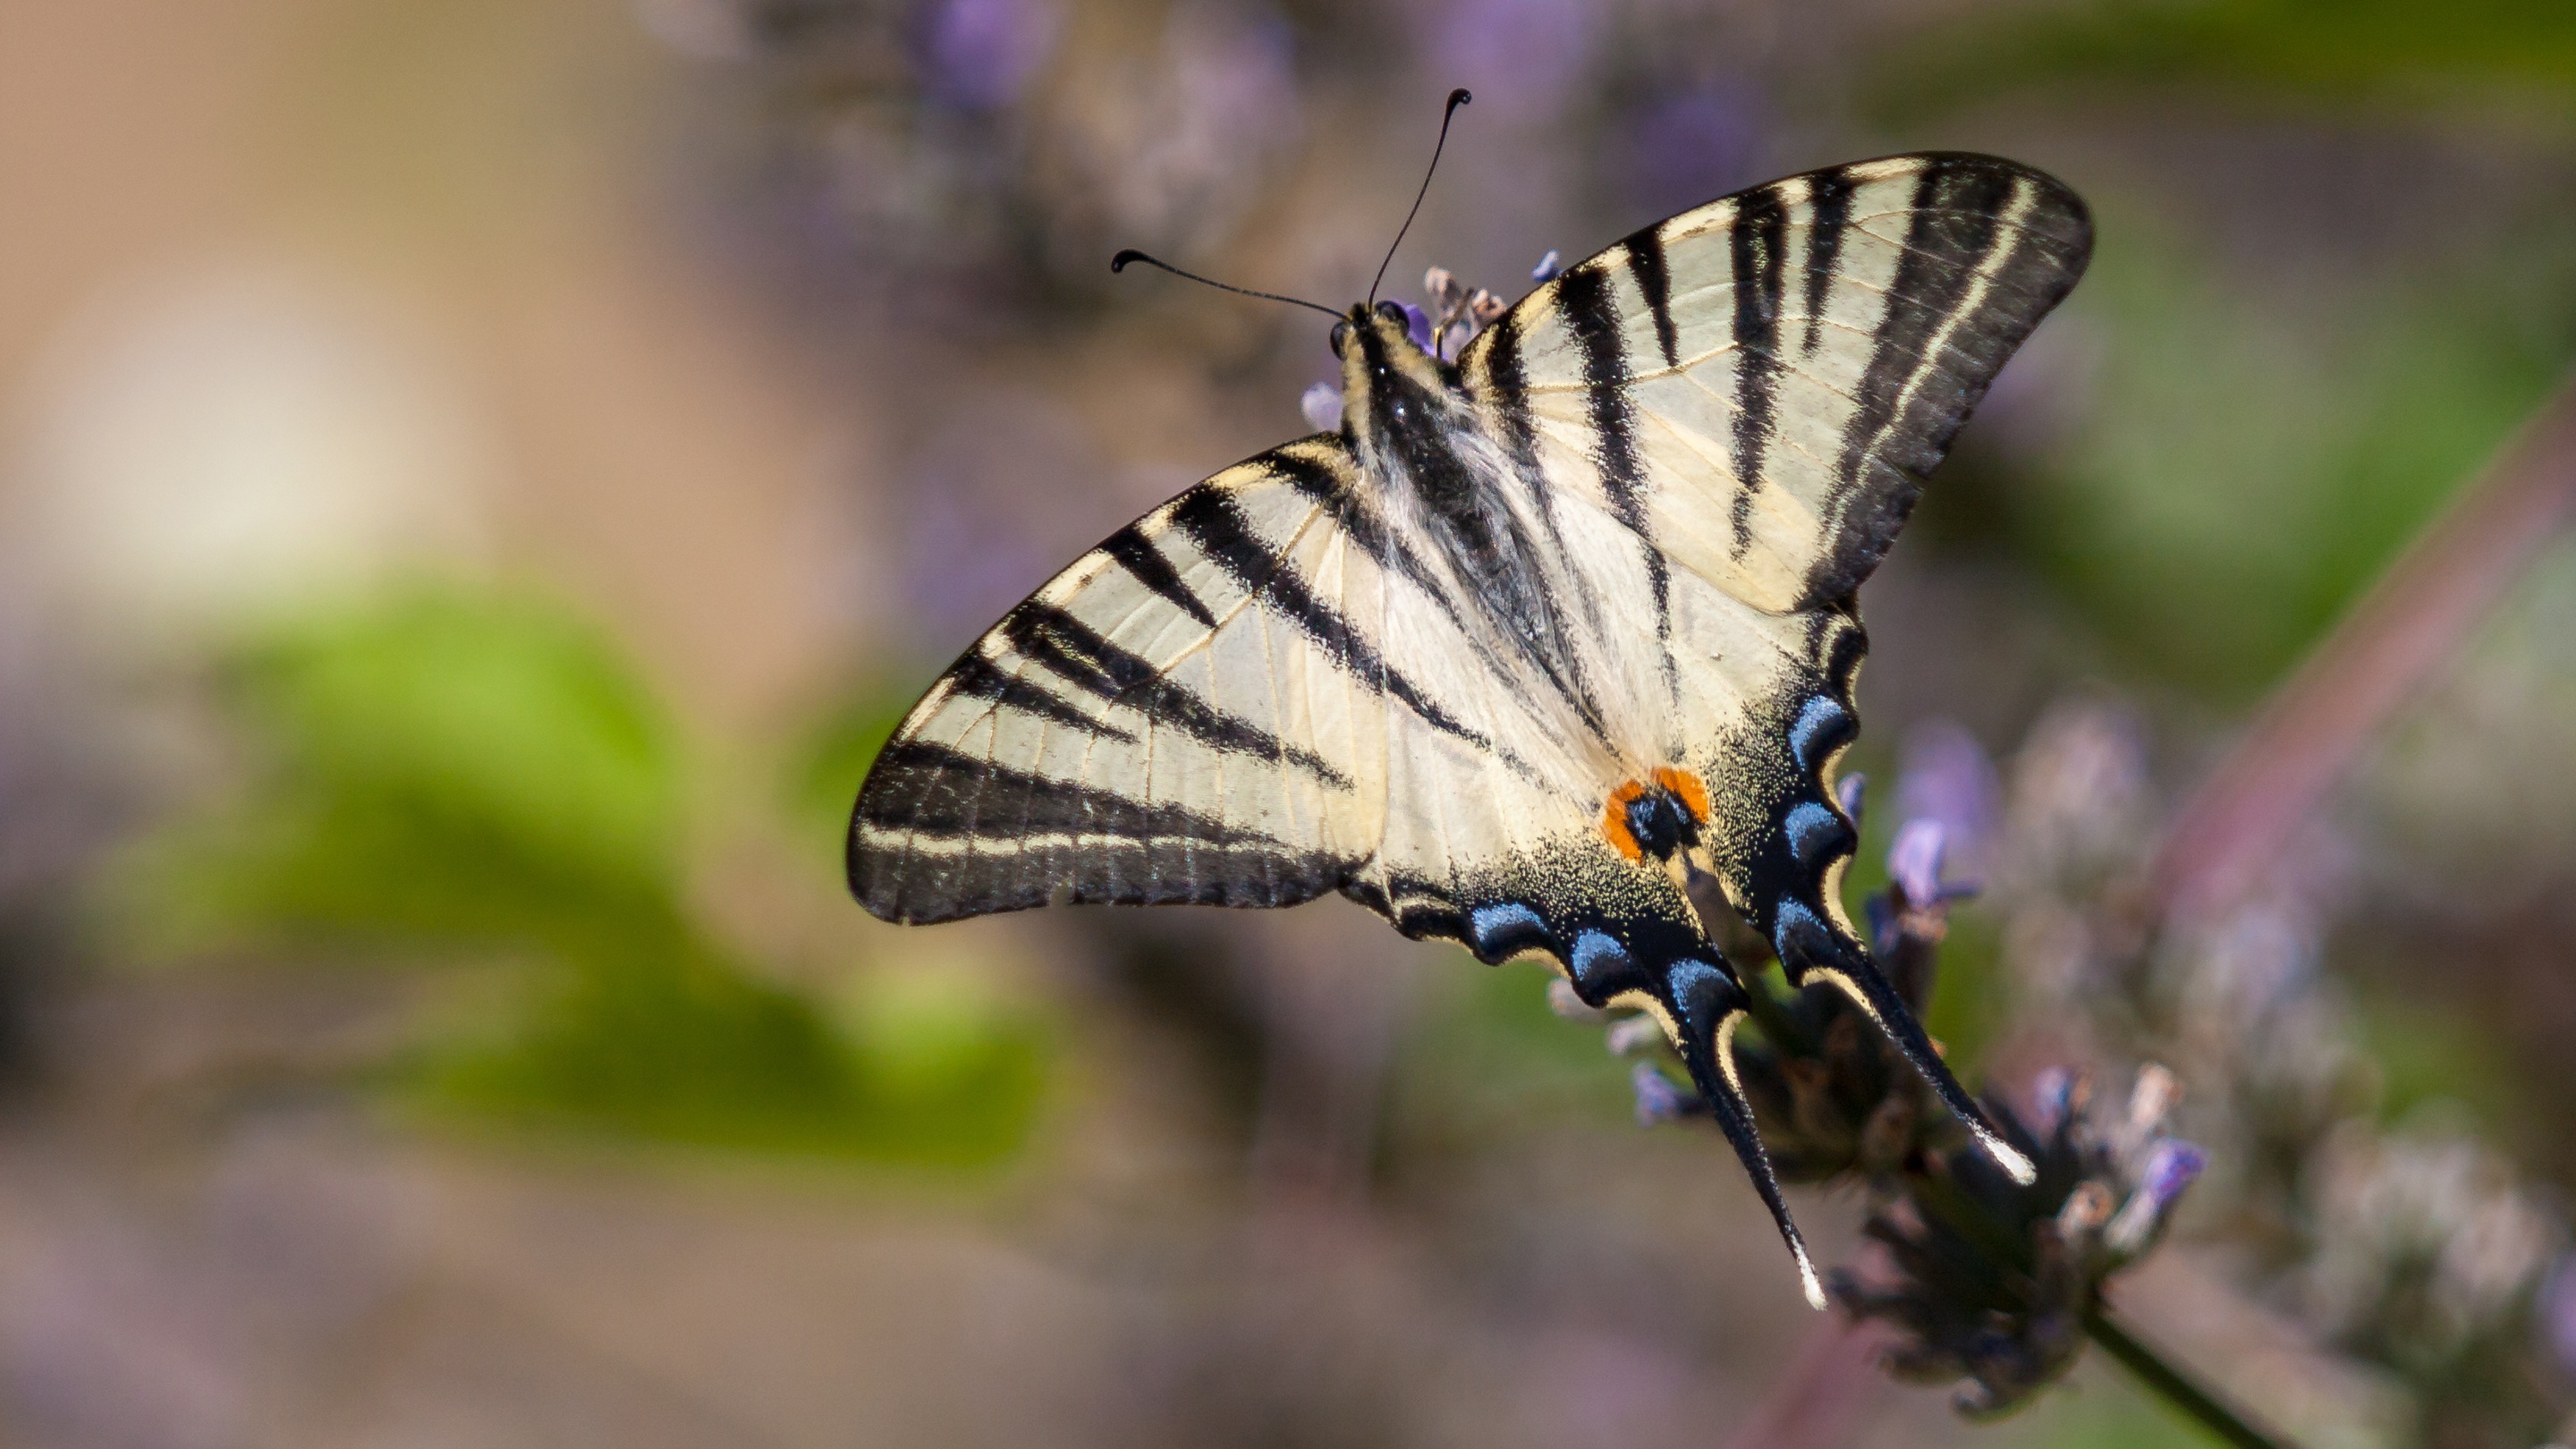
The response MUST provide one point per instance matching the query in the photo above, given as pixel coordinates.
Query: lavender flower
(1992, 1282)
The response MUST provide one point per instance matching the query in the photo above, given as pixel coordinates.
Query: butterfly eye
(1392, 311)
(1341, 334)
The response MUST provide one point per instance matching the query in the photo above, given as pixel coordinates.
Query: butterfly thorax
(1458, 501)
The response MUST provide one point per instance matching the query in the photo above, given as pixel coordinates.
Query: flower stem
(2178, 1388)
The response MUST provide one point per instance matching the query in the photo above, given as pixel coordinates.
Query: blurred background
(481, 477)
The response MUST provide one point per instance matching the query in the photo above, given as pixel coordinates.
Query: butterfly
(1538, 640)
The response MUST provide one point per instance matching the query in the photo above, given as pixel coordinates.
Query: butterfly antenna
(1119, 263)
(1457, 98)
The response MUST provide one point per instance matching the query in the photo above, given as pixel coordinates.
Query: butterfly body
(1538, 640)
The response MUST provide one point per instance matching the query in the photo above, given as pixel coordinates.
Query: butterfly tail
(1708, 1005)
(1812, 951)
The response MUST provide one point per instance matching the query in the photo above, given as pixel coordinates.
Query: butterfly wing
(1184, 715)
(1752, 392)
(1761, 384)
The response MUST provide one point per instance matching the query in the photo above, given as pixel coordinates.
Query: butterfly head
(1387, 379)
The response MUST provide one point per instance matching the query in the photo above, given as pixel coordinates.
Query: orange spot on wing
(1688, 787)
(1614, 822)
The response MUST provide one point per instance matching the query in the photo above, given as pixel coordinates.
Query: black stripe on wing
(1083, 656)
(1757, 245)
(957, 832)
(980, 678)
(1829, 195)
(1210, 518)
(1901, 427)
(1591, 316)
(1136, 553)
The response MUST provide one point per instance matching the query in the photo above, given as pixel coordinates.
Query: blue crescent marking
(1819, 715)
(1689, 980)
(1590, 947)
(1808, 828)
(1491, 921)
(1795, 920)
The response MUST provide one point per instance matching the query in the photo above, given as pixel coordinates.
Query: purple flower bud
(1547, 268)
(1322, 405)
(1848, 790)
(1417, 325)
(1914, 861)
(1658, 1100)
(2050, 1093)
(2172, 1164)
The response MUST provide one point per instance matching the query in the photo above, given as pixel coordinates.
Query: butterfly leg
(1810, 950)
(1707, 1006)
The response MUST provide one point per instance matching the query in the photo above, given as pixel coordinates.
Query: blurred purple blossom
(2172, 1165)
(1687, 148)
(2558, 1313)
(1945, 776)
(2052, 1096)
(979, 55)
(1520, 57)
(1547, 268)
(1658, 1100)
(1915, 861)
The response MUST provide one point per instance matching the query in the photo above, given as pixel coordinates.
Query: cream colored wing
(1185, 715)
(1761, 384)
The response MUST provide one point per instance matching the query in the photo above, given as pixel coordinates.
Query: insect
(1538, 640)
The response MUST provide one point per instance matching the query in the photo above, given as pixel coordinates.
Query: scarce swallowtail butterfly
(1537, 639)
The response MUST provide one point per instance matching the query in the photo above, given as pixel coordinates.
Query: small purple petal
(1417, 325)
(1547, 268)
(1915, 861)
(1658, 1100)
(1322, 405)
(1849, 790)
(2050, 1092)
(2172, 1164)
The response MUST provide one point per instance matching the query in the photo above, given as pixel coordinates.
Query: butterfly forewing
(1762, 383)
(1178, 717)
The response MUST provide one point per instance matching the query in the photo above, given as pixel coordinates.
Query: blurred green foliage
(455, 775)
(2348, 51)
(2243, 477)
(2437, 1054)
(2258, 443)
